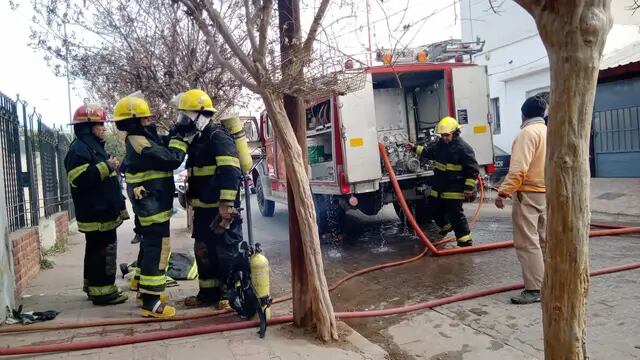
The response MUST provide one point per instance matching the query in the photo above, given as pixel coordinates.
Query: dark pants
(153, 258)
(449, 214)
(100, 264)
(216, 254)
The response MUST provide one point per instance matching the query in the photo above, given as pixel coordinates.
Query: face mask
(200, 120)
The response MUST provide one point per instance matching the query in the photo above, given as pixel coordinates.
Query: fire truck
(397, 105)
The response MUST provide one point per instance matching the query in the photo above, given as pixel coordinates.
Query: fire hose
(215, 328)
(613, 230)
(429, 247)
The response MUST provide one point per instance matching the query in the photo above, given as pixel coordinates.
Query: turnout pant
(217, 255)
(100, 265)
(449, 214)
(153, 258)
(529, 216)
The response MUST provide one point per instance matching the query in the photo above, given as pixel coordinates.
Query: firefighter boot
(117, 297)
(164, 298)
(465, 241)
(135, 280)
(136, 239)
(160, 311)
(223, 304)
(444, 231)
(206, 297)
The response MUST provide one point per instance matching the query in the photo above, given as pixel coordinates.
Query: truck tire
(267, 207)
(420, 208)
(330, 217)
(254, 177)
(370, 203)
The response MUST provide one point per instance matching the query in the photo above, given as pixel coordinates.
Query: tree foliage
(120, 46)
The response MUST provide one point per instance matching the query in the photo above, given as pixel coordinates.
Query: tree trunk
(289, 26)
(302, 311)
(323, 314)
(574, 33)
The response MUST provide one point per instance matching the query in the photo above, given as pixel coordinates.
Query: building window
(494, 112)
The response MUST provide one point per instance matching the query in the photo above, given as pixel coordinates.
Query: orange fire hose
(215, 328)
(429, 247)
(338, 283)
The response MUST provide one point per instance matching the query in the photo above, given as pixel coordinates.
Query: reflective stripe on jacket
(95, 188)
(149, 175)
(455, 168)
(214, 168)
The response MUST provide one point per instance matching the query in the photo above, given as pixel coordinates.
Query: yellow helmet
(130, 107)
(447, 125)
(196, 100)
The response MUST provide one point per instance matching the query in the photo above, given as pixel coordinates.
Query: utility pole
(66, 60)
(369, 33)
(290, 39)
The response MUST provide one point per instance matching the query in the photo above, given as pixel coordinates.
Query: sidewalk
(616, 198)
(60, 289)
(611, 199)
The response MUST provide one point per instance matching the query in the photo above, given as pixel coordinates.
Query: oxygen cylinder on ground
(236, 128)
(260, 278)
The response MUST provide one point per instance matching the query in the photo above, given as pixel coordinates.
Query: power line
(518, 67)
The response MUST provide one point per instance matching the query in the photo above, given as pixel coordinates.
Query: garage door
(617, 142)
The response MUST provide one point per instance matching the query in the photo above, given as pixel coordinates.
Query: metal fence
(11, 162)
(31, 191)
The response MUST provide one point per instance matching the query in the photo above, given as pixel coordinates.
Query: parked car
(180, 180)
(502, 160)
(179, 175)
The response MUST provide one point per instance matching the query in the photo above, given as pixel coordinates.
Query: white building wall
(516, 59)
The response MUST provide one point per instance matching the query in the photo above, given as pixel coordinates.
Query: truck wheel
(330, 217)
(267, 207)
(182, 199)
(254, 177)
(420, 209)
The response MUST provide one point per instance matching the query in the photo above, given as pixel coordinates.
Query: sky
(24, 71)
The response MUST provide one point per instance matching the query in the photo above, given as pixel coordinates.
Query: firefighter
(149, 177)
(456, 171)
(98, 202)
(214, 179)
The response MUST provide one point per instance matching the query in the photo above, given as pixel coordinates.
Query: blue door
(617, 142)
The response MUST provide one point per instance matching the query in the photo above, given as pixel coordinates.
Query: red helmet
(89, 113)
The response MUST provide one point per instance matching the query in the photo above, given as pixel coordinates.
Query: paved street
(484, 328)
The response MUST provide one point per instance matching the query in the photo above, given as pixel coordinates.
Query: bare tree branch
(265, 19)
(216, 54)
(250, 21)
(226, 34)
(313, 29)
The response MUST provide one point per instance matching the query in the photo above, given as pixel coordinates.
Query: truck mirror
(251, 129)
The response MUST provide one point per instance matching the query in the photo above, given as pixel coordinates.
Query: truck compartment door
(359, 135)
(471, 97)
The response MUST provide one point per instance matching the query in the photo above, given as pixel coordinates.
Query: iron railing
(31, 191)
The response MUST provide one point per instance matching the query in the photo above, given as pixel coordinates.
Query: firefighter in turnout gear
(150, 164)
(456, 171)
(214, 179)
(98, 202)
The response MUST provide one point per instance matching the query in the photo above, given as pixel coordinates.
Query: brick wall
(62, 226)
(26, 256)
